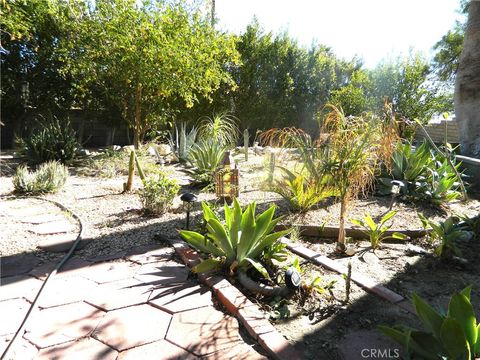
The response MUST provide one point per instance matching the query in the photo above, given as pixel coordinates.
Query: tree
(354, 98)
(407, 83)
(449, 48)
(467, 85)
(143, 56)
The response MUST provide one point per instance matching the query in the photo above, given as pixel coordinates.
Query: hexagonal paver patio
(144, 307)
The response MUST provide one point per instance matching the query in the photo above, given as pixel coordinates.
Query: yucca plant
(238, 243)
(205, 158)
(302, 192)
(221, 127)
(51, 140)
(454, 336)
(376, 233)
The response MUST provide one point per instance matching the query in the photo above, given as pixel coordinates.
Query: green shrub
(52, 140)
(377, 232)
(423, 175)
(448, 335)
(158, 193)
(302, 192)
(238, 243)
(49, 177)
(445, 234)
(205, 158)
(222, 127)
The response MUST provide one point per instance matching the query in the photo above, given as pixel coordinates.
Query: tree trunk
(137, 128)
(467, 85)
(341, 246)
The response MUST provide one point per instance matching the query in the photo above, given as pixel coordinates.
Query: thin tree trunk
(137, 129)
(341, 227)
(467, 85)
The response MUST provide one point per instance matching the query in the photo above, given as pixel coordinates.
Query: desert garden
(356, 231)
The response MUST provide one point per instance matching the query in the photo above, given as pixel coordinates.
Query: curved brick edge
(356, 233)
(361, 280)
(243, 309)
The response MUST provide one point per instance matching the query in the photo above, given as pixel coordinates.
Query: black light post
(188, 200)
(396, 188)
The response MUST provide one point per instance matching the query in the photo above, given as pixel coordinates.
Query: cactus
(131, 173)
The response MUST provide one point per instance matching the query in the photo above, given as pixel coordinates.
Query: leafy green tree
(144, 55)
(354, 98)
(449, 48)
(408, 84)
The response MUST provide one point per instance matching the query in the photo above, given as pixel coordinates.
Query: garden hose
(51, 275)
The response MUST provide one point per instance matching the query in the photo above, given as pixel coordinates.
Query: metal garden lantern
(226, 180)
(188, 200)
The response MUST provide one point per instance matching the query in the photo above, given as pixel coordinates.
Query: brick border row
(366, 283)
(248, 313)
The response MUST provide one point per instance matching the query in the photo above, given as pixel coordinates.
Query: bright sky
(371, 29)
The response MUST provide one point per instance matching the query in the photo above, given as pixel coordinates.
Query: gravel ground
(115, 221)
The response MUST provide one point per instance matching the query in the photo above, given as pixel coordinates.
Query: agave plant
(205, 158)
(237, 244)
(451, 336)
(444, 235)
(181, 142)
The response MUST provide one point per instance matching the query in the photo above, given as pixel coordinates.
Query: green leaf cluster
(239, 242)
(376, 232)
(454, 336)
(49, 177)
(423, 174)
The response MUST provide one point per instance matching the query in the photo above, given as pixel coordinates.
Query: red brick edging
(363, 281)
(243, 309)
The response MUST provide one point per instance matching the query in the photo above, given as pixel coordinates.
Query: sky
(370, 29)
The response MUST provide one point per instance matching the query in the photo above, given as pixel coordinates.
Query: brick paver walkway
(142, 306)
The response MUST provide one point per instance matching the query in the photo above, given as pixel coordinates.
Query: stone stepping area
(143, 306)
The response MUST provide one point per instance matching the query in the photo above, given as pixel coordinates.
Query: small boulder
(164, 149)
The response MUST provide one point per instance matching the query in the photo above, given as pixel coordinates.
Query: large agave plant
(239, 242)
(454, 335)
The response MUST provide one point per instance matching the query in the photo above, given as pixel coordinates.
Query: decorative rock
(164, 149)
(56, 227)
(128, 148)
(17, 264)
(83, 152)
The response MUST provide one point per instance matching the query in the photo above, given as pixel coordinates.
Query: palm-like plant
(302, 192)
(221, 127)
(238, 243)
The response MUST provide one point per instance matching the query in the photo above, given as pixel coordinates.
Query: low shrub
(158, 193)
(422, 174)
(49, 177)
(52, 140)
(302, 192)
